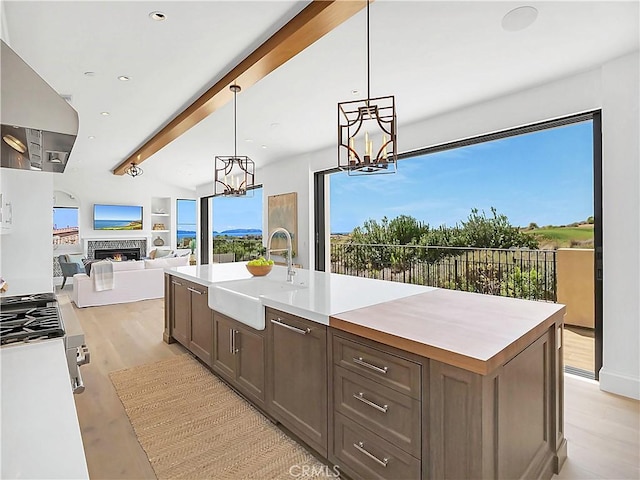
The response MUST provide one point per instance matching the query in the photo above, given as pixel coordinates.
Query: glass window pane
(237, 227)
(186, 222)
(65, 226)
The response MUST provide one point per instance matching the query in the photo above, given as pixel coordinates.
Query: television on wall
(117, 217)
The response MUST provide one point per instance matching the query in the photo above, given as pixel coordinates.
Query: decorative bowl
(259, 270)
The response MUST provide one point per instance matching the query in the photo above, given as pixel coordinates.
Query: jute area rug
(191, 425)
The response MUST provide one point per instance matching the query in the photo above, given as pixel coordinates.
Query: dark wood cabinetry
(239, 356)
(201, 326)
(180, 314)
(384, 412)
(297, 376)
(500, 425)
(377, 414)
(191, 318)
(399, 415)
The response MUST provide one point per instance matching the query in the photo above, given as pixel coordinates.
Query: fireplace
(117, 253)
(108, 248)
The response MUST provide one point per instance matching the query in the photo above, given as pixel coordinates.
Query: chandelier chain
(368, 58)
(235, 123)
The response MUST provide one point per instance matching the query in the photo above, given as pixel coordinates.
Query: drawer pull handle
(360, 447)
(195, 291)
(359, 361)
(176, 283)
(360, 396)
(293, 329)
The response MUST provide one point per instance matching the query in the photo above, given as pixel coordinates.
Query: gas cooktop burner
(29, 324)
(28, 300)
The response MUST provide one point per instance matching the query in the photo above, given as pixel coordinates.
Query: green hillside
(563, 237)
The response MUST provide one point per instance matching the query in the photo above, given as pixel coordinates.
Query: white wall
(25, 252)
(111, 189)
(614, 88)
(621, 226)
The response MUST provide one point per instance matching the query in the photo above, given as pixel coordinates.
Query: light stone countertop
(40, 431)
(468, 330)
(321, 296)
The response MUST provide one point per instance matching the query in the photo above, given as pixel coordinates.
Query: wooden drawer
(390, 370)
(364, 455)
(392, 415)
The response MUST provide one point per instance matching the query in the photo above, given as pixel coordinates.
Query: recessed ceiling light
(124, 78)
(263, 146)
(249, 140)
(89, 74)
(275, 125)
(91, 137)
(355, 92)
(105, 114)
(519, 18)
(157, 16)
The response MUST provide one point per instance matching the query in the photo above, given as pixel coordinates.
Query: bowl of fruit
(259, 267)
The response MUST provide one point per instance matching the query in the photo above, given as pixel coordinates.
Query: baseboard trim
(620, 384)
(560, 456)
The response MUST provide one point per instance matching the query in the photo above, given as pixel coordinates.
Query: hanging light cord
(368, 59)
(235, 123)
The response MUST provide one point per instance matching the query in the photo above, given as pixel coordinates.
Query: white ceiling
(434, 56)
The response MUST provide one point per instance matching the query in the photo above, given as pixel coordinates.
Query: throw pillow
(152, 253)
(163, 253)
(157, 263)
(77, 258)
(177, 261)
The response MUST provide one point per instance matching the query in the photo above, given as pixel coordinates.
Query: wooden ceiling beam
(312, 23)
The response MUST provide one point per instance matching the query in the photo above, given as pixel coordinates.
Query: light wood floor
(602, 429)
(579, 348)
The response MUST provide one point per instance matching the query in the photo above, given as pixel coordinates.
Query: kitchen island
(384, 380)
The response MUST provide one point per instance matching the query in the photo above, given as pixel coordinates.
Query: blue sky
(117, 212)
(65, 217)
(544, 177)
(230, 213)
(186, 210)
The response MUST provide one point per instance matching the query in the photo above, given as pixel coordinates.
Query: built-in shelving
(161, 214)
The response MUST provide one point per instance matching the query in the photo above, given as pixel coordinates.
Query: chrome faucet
(290, 271)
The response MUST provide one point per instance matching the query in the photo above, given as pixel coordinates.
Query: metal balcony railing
(243, 249)
(519, 273)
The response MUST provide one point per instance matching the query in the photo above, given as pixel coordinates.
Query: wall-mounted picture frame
(282, 211)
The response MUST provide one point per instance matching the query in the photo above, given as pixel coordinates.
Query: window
(65, 226)
(186, 222)
(236, 227)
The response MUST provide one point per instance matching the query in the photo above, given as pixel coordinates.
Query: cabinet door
(181, 311)
(297, 381)
(224, 359)
(201, 324)
(250, 363)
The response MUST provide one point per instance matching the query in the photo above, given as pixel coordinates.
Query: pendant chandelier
(133, 170)
(234, 176)
(367, 131)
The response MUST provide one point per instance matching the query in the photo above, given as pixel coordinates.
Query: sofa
(132, 281)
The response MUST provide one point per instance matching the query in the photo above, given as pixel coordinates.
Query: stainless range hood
(39, 127)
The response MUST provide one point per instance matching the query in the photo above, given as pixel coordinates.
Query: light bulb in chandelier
(367, 131)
